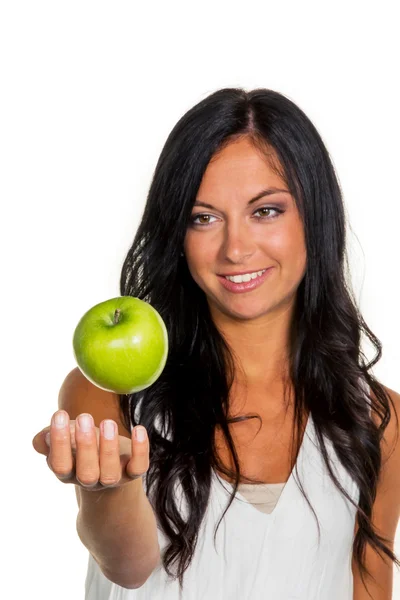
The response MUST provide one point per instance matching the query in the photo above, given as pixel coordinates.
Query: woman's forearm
(119, 528)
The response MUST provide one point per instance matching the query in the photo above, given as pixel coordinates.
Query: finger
(87, 454)
(110, 464)
(60, 458)
(139, 463)
(39, 441)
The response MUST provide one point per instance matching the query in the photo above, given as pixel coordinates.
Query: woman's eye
(278, 211)
(193, 219)
(266, 208)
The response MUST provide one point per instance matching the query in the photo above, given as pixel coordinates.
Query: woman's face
(233, 236)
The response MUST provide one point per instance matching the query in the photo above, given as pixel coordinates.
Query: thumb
(39, 441)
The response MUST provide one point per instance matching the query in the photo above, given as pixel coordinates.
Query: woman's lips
(245, 286)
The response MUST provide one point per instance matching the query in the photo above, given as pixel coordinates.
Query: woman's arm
(119, 529)
(385, 515)
(117, 525)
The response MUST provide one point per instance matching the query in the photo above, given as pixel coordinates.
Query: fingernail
(85, 423)
(140, 434)
(47, 439)
(60, 420)
(109, 430)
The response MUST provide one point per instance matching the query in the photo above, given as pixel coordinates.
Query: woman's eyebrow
(266, 192)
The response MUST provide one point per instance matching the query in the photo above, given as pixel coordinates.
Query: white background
(90, 91)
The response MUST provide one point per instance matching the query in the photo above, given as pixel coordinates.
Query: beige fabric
(263, 497)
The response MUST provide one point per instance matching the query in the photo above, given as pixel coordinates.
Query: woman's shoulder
(78, 395)
(394, 406)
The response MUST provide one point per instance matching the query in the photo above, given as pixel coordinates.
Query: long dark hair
(190, 398)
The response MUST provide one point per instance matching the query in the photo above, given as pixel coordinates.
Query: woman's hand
(90, 457)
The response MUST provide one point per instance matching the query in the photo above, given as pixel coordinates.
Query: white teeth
(243, 278)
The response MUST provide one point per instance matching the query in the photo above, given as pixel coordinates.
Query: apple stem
(116, 316)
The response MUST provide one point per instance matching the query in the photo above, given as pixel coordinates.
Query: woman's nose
(238, 245)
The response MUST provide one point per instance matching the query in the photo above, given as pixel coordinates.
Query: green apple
(121, 345)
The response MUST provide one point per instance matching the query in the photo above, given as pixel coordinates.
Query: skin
(256, 323)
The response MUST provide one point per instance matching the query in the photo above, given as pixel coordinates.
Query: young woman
(271, 467)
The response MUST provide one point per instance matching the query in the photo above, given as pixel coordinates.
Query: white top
(267, 543)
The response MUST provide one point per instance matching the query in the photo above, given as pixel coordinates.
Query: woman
(267, 433)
